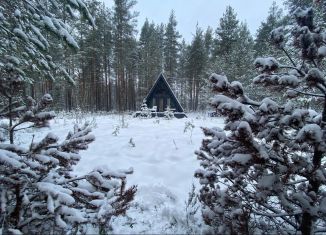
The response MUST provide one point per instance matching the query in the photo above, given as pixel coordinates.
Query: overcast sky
(205, 12)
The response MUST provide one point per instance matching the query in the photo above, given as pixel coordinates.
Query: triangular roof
(161, 80)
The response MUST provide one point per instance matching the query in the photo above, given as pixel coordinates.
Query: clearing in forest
(160, 151)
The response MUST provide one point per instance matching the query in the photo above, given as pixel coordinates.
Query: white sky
(205, 12)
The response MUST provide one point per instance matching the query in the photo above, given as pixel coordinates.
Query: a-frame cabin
(161, 96)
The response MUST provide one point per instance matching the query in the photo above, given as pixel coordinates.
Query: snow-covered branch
(268, 162)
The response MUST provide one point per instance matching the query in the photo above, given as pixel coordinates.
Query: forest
(114, 67)
(246, 157)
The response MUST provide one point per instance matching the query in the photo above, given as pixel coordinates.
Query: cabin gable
(162, 96)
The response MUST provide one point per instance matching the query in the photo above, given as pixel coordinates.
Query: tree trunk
(11, 130)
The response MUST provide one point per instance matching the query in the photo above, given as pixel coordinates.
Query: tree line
(113, 69)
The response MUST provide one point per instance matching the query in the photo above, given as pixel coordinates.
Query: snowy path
(163, 160)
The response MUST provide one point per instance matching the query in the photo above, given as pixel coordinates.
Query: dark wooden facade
(162, 96)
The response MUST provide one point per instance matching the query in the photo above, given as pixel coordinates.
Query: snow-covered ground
(162, 156)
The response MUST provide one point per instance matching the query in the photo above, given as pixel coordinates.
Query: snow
(302, 13)
(21, 34)
(45, 159)
(268, 63)
(163, 164)
(322, 206)
(312, 132)
(277, 36)
(289, 80)
(15, 231)
(244, 130)
(314, 76)
(240, 158)
(50, 204)
(13, 60)
(267, 181)
(13, 148)
(220, 81)
(10, 159)
(39, 44)
(48, 22)
(17, 13)
(60, 222)
(322, 51)
(62, 194)
(268, 106)
(44, 115)
(74, 3)
(3, 200)
(72, 214)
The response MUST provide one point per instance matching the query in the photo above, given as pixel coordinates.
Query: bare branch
(292, 67)
(307, 93)
(277, 215)
(287, 54)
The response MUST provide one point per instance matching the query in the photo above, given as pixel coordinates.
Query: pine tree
(182, 74)
(25, 49)
(274, 19)
(143, 45)
(196, 66)
(124, 45)
(244, 54)
(171, 48)
(209, 42)
(150, 56)
(39, 192)
(265, 172)
(95, 61)
(233, 40)
(226, 33)
(319, 9)
(206, 93)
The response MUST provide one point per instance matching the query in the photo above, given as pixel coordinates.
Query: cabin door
(160, 108)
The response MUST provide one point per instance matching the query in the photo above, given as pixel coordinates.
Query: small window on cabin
(168, 102)
(154, 102)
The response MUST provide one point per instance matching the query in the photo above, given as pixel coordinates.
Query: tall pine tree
(150, 57)
(233, 46)
(274, 19)
(196, 66)
(124, 42)
(171, 48)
